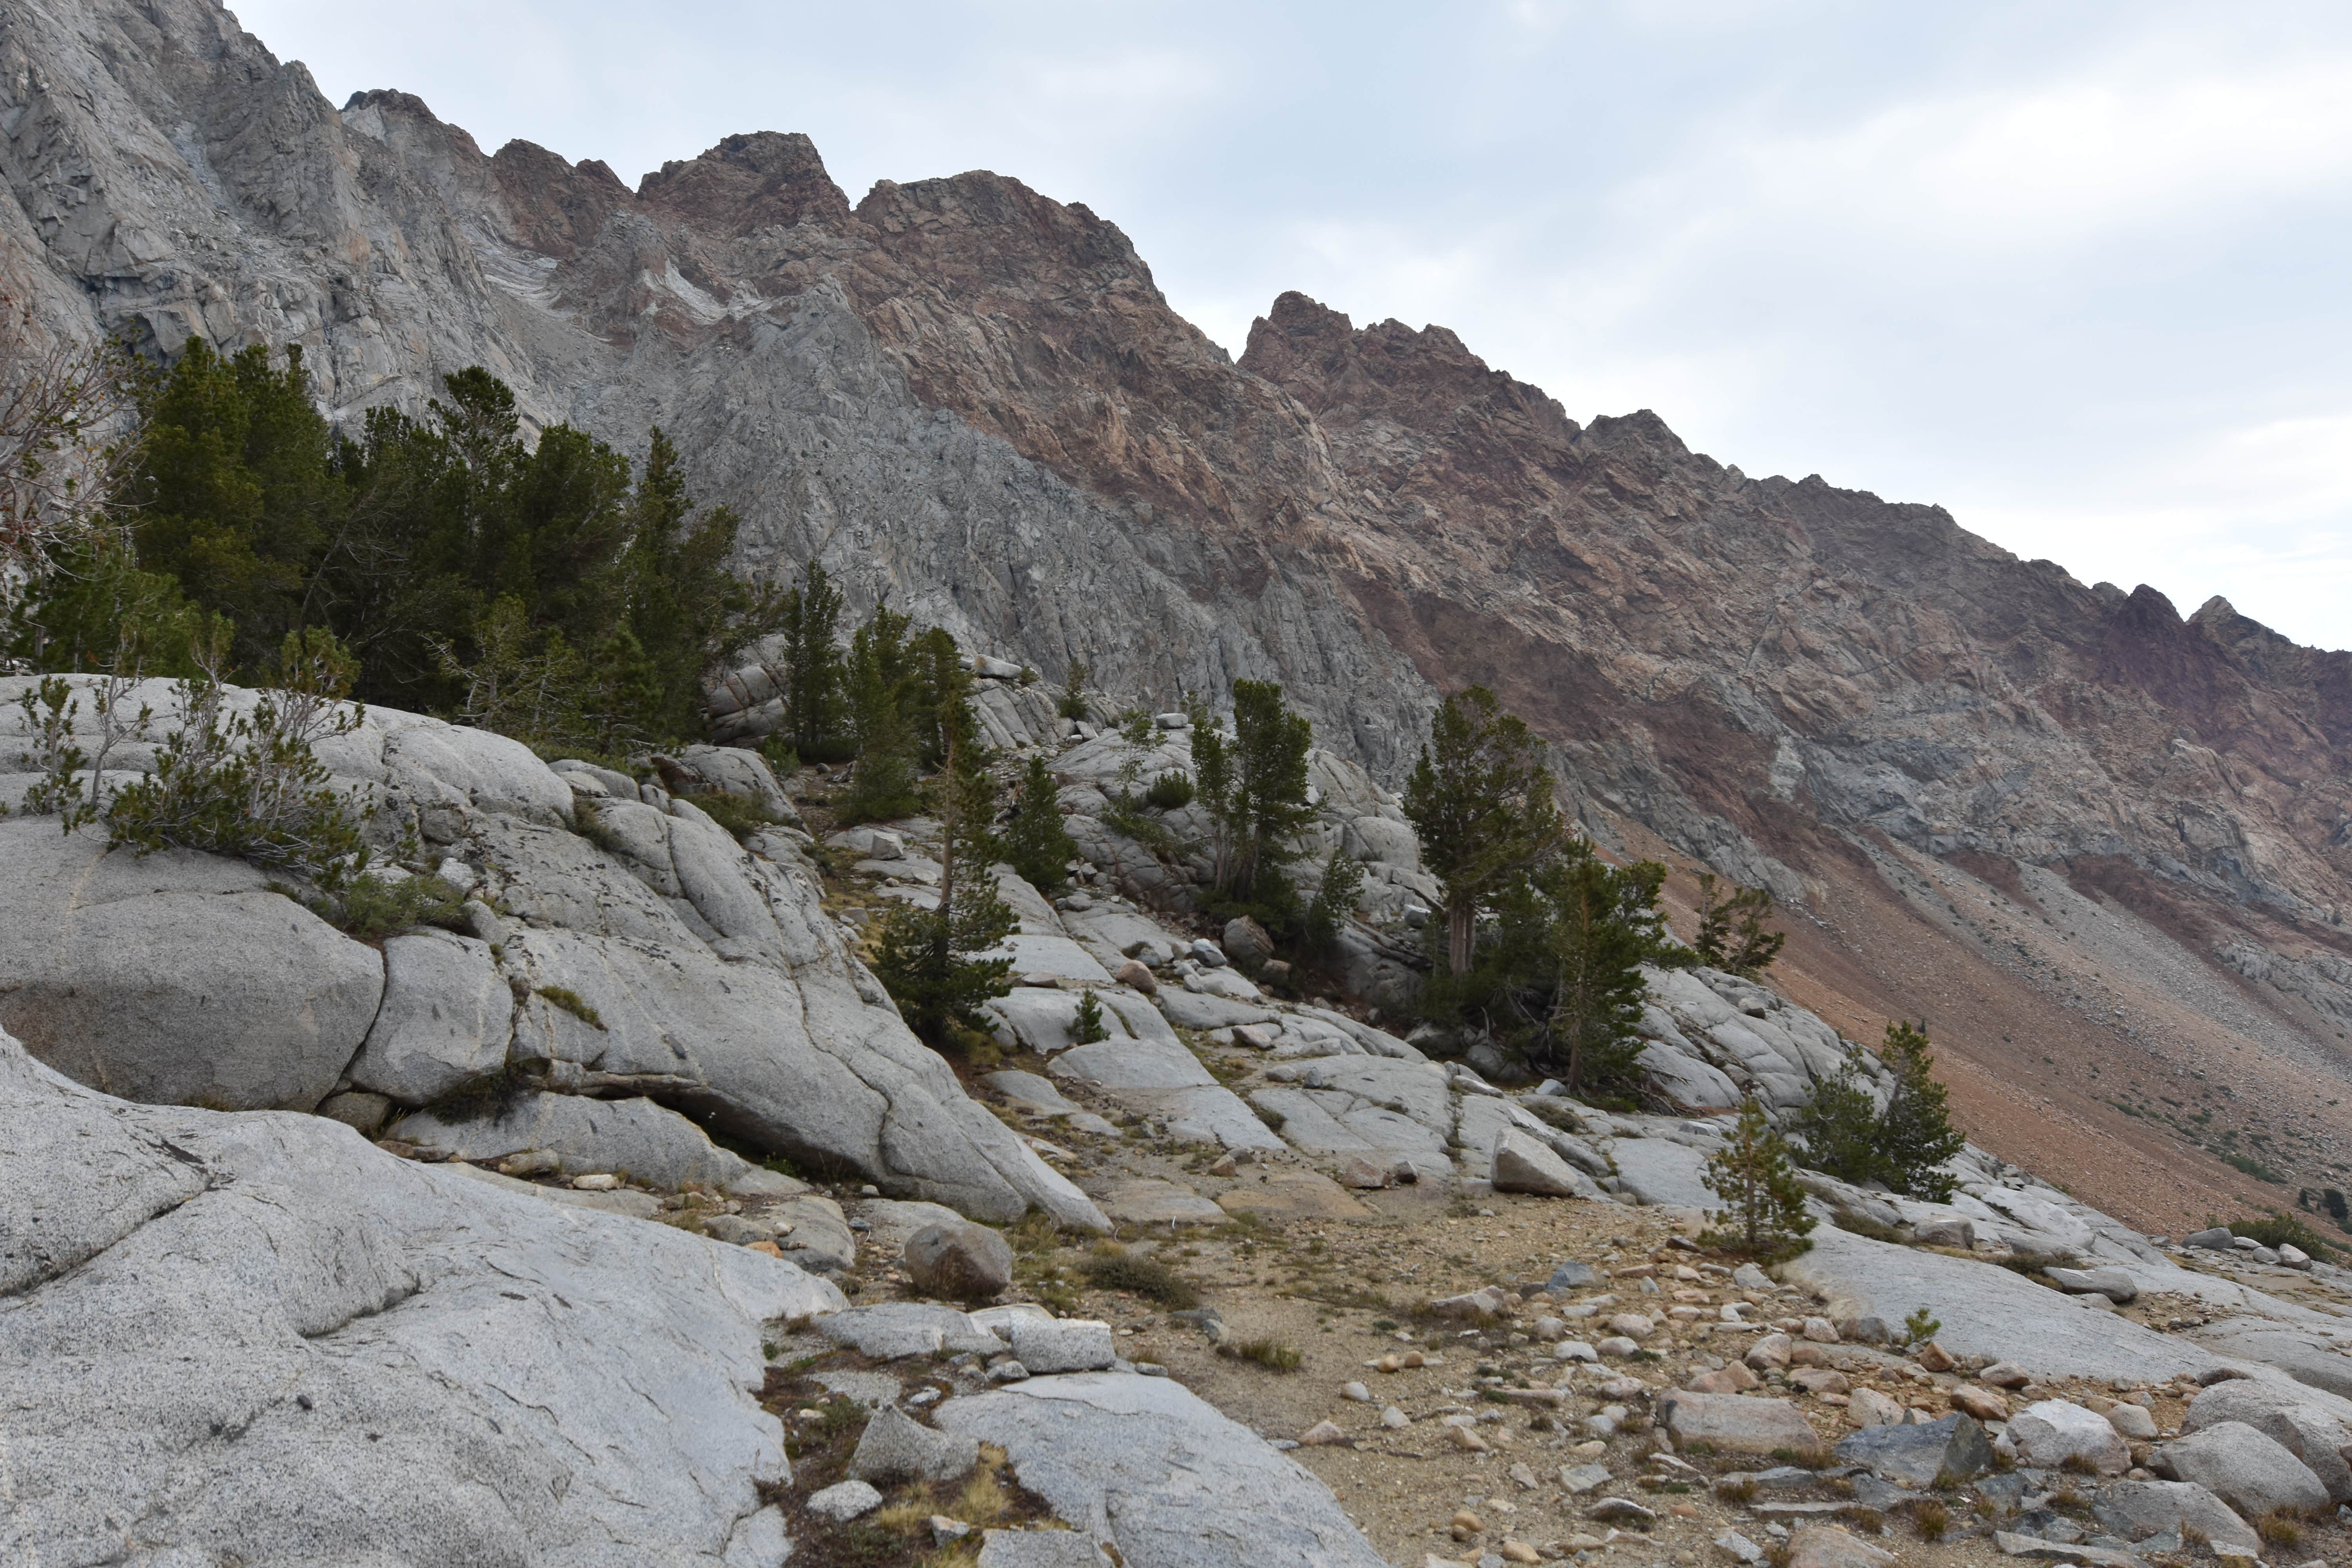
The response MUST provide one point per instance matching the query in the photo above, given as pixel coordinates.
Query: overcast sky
(2076, 272)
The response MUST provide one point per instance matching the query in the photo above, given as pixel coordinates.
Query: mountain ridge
(974, 399)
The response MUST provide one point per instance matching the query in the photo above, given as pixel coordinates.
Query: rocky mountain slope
(2099, 846)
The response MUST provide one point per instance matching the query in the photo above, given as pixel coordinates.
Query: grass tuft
(1110, 1266)
(1271, 1355)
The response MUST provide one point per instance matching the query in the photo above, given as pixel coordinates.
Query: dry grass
(908, 1512)
(2279, 1528)
(1110, 1266)
(984, 1500)
(1271, 1355)
(1932, 1519)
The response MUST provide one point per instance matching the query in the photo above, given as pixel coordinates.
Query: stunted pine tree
(816, 697)
(1599, 924)
(1731, 934)
(1764, 1212)
(931, 961)
(1035, 842)
(1481, 798)
(1916, 1136)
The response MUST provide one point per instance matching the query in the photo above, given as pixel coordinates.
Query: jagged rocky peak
(766, 179)
(1428, 380)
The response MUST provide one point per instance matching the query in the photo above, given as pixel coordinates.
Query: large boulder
(1924, 1455)
(2050, 1432)
(1738, 1424)
(256, 1338)
(2138, 1509)
(448, 1017)
(2250, 1472)
(2310, 1434)
(1520, 1164)
(633, 1138)
(175, 978)
(1147, 1467)
(650, 952)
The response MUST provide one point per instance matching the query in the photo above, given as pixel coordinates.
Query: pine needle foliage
(1764, 1213)
(1731, 934)
(1037, 844)
(1481, 798)
(1906, 1145)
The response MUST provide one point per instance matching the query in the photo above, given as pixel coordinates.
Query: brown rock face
(2103, 850)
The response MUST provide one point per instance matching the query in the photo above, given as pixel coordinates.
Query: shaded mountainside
(2102, 849)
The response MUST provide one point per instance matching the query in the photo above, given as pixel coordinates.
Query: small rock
(897, 1447)
(1465, 1438)
(1818, 1380)
(1062, 1345)
(1361, 1172)
(1960, 1233)
(1394, 1419)
(1733, 1379)
(1356, 1392)
(1935, 1358)
(2005, 1374)
(1464, 1523)
(1581, 1478)
(1617, 1347)
(2131, 1422)
(1609, 1510)
(1821, 1330)
(2218, 1239)
(1136, 975)
(1739, 1546)
(1226, 1166)
(945, 1529)
(1575, 1350)
(1769, 1353)
(1573, 1276)
(1871, 1408)
(736, 1230)
(1007, 1371)
(599, 1182)
(1246, 942)
(1322, 1435)
(1520, 1552)
(1632, 1325)
(1982, 1402)
(845, 1501)
(963, 1261)
(1829, 1546)
(2113, 1283)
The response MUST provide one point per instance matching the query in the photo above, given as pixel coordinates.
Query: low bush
(2276, 1229)
(371, 906)
(1170, 792)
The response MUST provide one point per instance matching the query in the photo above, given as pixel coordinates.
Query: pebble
(1322, 1435)
(601, 1182)
(1356, 1393)
(1394, 1419)
(1465, 1438)
(1467, 1523)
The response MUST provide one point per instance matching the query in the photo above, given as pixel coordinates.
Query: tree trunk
(1461, 934)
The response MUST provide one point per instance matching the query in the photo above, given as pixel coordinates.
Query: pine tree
(1915, 1137)
(1213, 782)
(1335, 900)
(1035, 842)
(1840, 1127)
(1073, 702)
(929, 960)
(1731, 934)
(816, 696)
(1599, 924)
(882, 785)
(1087, 1027)
(1765, 1208)
(1269, 806)
(1481, 798)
